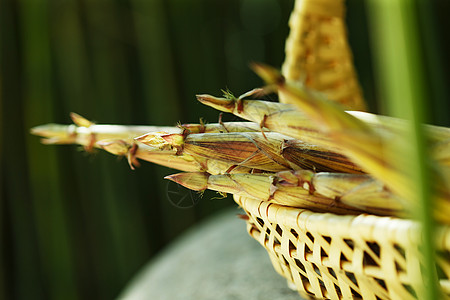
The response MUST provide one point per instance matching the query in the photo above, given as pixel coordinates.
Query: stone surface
(214, 260)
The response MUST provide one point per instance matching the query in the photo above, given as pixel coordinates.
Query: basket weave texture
(318, 54)
(328, 256)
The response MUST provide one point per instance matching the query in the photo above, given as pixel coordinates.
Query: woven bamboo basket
(329, 256)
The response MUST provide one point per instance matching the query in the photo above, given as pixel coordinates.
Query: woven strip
(317, 52)
(344, 257)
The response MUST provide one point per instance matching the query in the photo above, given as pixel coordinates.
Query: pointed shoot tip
(54, 133)
(194, 181)
(269, 74)
(48, 130)
(205, 98)
(222, 104)
(80, 121)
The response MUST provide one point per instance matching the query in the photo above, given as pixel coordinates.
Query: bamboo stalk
(168, 157)
(335, 192)
(401, 75)
(267, 151)
(265, 187)
(356, 190)
(51, 227)
(86, 133)
(286, 119)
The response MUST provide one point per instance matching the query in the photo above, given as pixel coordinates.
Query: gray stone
(214, 260)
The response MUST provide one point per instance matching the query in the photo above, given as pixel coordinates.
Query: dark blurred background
(78, 226)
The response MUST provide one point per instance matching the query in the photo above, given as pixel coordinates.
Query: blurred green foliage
(78, 226)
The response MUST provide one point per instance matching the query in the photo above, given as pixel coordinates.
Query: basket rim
(372, 227)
